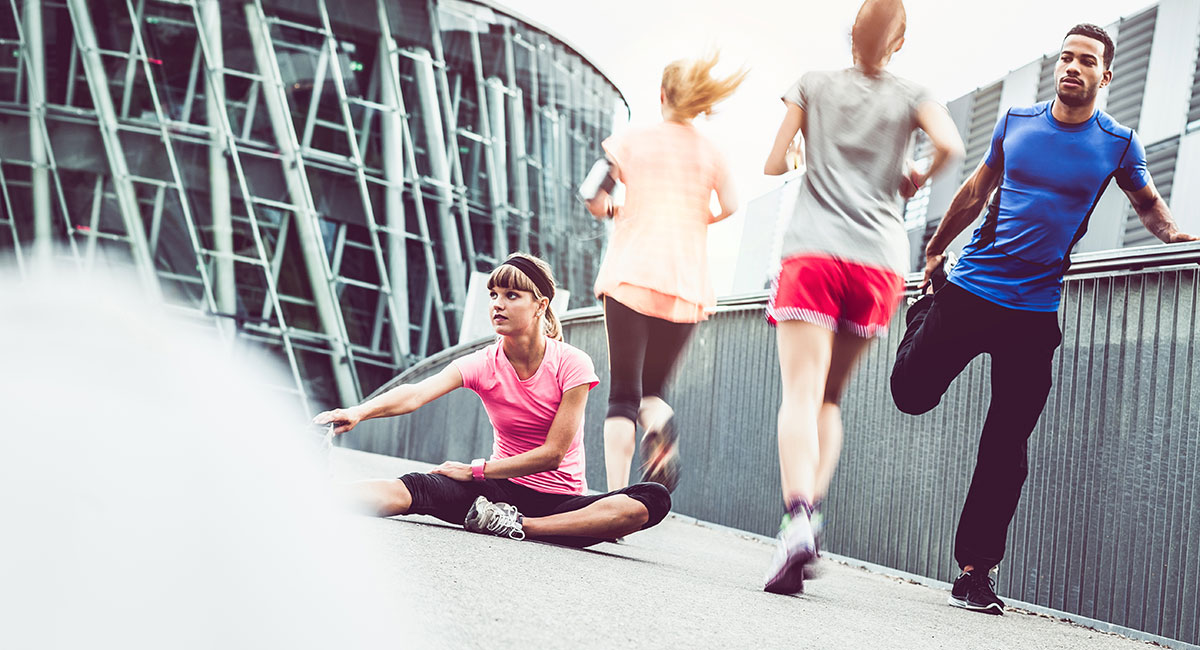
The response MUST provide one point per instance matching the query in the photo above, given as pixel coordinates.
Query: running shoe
(499, 519)
(660, 456)
(973, 590)
(794, 551)
(817, 522)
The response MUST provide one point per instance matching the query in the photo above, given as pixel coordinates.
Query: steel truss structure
(323, 176)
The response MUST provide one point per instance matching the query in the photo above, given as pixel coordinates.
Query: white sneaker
(795, 549)
(499, 519)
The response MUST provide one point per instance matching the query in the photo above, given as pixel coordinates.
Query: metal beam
(391, 130)
(106, 118)
(497, 96)
(141, 55)
(12, 225)
(439, 164)
(35, 51)
(520, 176)
(433, 301)
(307, 220)
(399, 337)
(220, 199)
(491, 163)
(545, 251)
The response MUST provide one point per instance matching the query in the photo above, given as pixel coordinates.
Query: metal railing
(1108, 527)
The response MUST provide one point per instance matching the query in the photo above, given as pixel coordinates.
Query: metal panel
(1193, 116)
(1169, 70)
(984, 105)
(1109, 523)
(1129, 67)
(1185, 197)
(1160, 162)
(1045, 89)
(1019, 88)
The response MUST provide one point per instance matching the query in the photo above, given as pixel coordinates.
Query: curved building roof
(539, 26)
(412, 20)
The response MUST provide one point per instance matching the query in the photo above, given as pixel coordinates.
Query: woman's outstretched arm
(402, 399)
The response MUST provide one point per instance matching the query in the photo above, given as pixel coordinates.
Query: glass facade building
(322, 176)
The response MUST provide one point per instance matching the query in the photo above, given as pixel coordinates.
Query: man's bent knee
(908, 400)
(917, 309)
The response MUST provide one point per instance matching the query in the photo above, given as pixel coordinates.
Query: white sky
(952, 47)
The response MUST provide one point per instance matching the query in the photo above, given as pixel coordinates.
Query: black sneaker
(973, 590)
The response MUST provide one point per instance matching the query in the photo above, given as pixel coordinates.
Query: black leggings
(944, 333)
(449, 500)
(642, 351)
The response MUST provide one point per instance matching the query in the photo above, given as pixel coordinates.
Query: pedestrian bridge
(681, 584)
(1108, 529)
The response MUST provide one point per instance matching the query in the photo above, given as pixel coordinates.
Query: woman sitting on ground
(534, 388)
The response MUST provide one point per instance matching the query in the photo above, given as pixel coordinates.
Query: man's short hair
(1091, 31)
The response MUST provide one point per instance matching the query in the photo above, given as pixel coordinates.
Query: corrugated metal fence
(1109, 523)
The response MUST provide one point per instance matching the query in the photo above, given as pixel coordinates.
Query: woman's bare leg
(804, 356)
(607, 518)
(847, 349)
(618, 451)
(379, 497)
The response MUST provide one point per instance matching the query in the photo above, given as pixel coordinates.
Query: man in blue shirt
(1048, 166)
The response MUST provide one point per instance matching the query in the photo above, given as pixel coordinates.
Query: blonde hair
(690, 89)
(877, 28)
(510, 277)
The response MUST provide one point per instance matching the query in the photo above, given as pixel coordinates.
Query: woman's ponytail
(690, 88)
(550, 324)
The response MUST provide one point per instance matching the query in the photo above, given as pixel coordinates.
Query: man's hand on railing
(932, 263)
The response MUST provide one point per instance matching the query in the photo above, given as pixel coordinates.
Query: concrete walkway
(677, 585)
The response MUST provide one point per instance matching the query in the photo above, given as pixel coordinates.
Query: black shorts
(449, 500)
(642, 352)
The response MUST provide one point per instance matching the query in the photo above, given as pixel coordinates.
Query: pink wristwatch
(477, 469)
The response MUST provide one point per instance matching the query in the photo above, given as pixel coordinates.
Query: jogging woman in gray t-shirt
(844, 254)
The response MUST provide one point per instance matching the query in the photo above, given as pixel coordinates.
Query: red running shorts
(838, 295)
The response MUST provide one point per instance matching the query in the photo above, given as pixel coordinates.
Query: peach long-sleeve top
(657, 257)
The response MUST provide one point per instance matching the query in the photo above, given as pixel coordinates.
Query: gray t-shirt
(857, 137)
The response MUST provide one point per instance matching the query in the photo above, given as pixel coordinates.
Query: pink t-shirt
(660, 239)
(521, 411)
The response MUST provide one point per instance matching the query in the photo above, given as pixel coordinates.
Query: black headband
(534, 273)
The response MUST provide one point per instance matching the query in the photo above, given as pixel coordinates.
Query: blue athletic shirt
(1054, 174)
